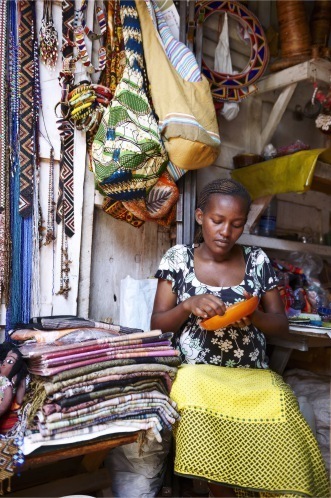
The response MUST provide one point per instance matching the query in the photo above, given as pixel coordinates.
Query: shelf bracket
(276, 114)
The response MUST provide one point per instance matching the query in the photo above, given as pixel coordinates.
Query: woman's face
(8, 363)
(222, 221)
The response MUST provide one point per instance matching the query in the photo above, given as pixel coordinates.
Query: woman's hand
(245, 321)
(204, 305)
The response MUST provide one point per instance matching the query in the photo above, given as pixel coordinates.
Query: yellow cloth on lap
(243, 428)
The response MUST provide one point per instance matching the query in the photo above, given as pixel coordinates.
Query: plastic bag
(139, 473)
(311, 264)
(136, 302)
(223, 64)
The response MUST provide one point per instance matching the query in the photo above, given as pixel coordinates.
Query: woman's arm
(272, 321)
(169, 316)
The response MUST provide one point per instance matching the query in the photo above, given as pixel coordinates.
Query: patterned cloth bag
(186, 112)
(128, 155)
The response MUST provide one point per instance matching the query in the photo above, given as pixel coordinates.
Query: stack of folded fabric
(96, 380)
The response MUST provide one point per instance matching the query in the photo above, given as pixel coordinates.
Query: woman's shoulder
(178, 249)
(176, 258)
(255, 251)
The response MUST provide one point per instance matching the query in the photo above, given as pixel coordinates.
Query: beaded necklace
(48, 38)
(4, 177)
(36, 218)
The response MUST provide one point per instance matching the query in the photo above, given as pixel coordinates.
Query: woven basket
(295, 36)
(294, 33)
(320, 22)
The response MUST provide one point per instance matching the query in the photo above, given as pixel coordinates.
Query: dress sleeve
(171, 266)
(267, 276)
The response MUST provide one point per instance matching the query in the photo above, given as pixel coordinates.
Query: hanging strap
(26, 130)
(65, 203)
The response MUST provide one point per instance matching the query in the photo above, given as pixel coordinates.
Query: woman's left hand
(245, 321)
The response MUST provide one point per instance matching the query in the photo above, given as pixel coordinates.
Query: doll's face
(8, 363)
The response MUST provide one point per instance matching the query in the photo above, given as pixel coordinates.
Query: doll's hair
(19, 368)
(220, 186)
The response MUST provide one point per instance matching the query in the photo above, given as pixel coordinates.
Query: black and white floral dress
(231, 346)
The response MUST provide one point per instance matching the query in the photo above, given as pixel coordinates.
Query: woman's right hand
(204, 305)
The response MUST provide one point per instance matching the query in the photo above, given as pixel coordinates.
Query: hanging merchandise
(159, 202)
(179, 55)
(223, 64)
(127, 152)
(48, 36)
(50, 230)
(323, 120)
(313, 106)
(117, 210)
(23, 143)
(85, 105)
(65, 203)
(236, 87)
(81, 30)
(185, 109)
(36, 215)
(115, 54)
(26, 109)
(4, 169)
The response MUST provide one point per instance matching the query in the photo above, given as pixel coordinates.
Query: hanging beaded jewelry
(50, 235)
(65, 262)
(101, 18)
(81, 29)
(48, 47)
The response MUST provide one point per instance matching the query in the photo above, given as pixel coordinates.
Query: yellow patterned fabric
(243, 428)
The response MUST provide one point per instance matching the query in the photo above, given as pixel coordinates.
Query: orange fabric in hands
(232, 314)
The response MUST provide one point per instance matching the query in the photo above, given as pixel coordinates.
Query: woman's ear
(198, 216)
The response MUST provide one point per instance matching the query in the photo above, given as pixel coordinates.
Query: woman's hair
(222, 186)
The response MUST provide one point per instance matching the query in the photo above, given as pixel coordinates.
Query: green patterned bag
(128, 155)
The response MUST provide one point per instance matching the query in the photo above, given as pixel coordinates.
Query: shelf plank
(314, 70)
(284, 245)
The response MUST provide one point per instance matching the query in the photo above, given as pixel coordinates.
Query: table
(78, 468)
(302, 339)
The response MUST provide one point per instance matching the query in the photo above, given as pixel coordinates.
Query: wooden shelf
(286, 81)
(314, 70)
(284, 245)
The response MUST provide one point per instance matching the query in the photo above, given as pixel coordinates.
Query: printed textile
(252, 418)
(187, 118)
(231, 346)
(128, 153)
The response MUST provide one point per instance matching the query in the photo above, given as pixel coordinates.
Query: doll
(13, 373)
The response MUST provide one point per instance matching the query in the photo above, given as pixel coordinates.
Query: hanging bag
(185, 109)
(128, 155)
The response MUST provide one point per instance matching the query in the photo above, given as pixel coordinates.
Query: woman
(240, 428)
